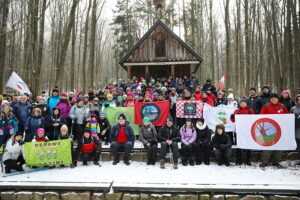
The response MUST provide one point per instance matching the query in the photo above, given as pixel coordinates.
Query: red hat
(147, 95)
(64, 94)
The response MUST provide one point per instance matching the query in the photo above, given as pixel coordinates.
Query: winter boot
(162, 163)
(175, 166)
(85, 163)
(96, 163)
(126, 162)
(7, 170)
(191, 162)
(184, 162)
(116, 160)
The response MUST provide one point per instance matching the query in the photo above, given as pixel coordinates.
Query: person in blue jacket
(53, 100)
(35, 121)
(22, 111)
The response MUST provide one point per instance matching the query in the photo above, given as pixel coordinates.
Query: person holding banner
(148, 136)
(296, 111)
(273, 107)
(88, 147)
(221, 143)
(13, 153)
(188, 137)
(121, 136)
(243, 109)
(64, 135)
(202, 142)
(169, 137)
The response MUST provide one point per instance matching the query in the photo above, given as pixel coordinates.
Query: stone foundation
(37, 195)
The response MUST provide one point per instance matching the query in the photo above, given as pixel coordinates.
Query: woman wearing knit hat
(109, 102)
(286, 99)
(148, 136)
(12, 157)
(40, 136)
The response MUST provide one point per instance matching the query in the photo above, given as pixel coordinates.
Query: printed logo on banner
(20, 85)
(222, 116)
(190, 108)
(266, 132)
(151, 111)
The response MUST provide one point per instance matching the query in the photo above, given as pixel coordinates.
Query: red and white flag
(15, 82)
(222, 82)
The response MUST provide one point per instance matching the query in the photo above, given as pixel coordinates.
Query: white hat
(230, 96)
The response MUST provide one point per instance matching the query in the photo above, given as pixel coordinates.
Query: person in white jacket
(13, 153)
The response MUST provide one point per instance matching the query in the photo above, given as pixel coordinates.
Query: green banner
(112, 113)
(56, 152)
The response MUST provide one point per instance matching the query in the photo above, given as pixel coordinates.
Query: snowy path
(139, 174)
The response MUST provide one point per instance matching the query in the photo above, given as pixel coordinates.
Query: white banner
(218, 115)
(266, 132)
(15, 82)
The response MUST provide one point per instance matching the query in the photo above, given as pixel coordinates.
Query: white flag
(266, 132)
(218, 115)
(15, 82)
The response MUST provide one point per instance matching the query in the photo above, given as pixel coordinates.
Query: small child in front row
(94, 126)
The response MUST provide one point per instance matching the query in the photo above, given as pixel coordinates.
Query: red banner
(157, 112)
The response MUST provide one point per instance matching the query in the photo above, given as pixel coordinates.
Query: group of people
(80, 118)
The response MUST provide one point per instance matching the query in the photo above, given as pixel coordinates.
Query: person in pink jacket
(188, 137)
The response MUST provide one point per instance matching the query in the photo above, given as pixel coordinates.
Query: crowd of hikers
(80, 118)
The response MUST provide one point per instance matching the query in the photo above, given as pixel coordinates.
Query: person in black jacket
(254, 102)
(44, 108)
(169, 137)
(202, 142)
(220, 99)
(88, 147)
(266, 95)
(221, 143)
(104, 128)
(121, 136)
(208, 86)
(54, 123)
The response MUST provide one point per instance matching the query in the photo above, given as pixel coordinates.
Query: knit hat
(201, 120)
(163, 88)
(147, 95)
(254, 89)
(188, 120)
(146, 119)
(19, 133)
(79, 99)
(170, 119)
(265, 86)
(121, 116)
(55, 90)
(86, 96)
(286, 92)
(101, 113)
(120, 97)
(93, 115)
(96, 99)
(274, 95)
(230, 96)
(64, 94)
(86, 130)
(109, 96)
(243, 100)
(64, 127)
(39, 130)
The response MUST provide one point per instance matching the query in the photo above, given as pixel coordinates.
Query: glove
(232, 116)
(153, 142)
(21, 142)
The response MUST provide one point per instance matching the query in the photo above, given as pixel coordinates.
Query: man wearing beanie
(54, 99)
(148, 136)
(121, 137)
(254, 101)
(273, 107)
(266, 95)
(169, 137)
(296, 111)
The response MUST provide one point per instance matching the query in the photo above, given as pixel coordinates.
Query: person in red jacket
(273, 107)
(243, 109)
(206, 99)
(88, 146)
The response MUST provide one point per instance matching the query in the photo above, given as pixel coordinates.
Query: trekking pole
(171, 156)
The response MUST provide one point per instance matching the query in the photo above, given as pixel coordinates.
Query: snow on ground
(140, 173)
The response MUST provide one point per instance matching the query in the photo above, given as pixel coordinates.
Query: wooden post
(147, 72)
(173, 71)
(128, 71)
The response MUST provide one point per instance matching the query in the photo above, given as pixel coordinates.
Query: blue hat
(101, 113)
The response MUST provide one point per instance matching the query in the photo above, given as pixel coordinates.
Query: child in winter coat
(88, 147)
(188, 138)
(148, 136)
(12, 157)
(64, 135)
(54, 123)
(35, 121)
(40, 136)
(94, 126)
(202, 142)
(221, 144)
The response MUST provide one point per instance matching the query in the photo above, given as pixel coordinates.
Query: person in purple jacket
(188, 137)
(64, 106)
